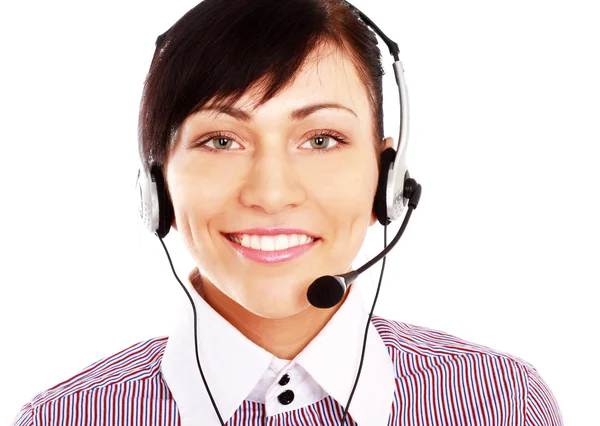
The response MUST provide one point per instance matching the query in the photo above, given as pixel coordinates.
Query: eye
(220, 141)
(325, 140)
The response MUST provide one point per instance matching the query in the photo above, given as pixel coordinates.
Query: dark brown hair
(220, 48)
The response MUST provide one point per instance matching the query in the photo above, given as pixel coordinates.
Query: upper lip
(274, 231)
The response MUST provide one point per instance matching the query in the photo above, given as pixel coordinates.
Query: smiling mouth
(268, 243)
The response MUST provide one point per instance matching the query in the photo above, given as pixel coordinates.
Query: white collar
(233, 365)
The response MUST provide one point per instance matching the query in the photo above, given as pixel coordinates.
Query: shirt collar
(233, 365)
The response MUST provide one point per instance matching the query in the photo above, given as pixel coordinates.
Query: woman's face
(270, 168)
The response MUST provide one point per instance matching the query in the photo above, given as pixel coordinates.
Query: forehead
(327, 76)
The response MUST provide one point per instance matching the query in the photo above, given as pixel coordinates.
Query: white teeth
(267, 243)
(255, 242)
(245, 240)
(272, 243)
(281, 242)
(294, 240)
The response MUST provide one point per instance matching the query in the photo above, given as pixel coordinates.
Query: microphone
(328, 290)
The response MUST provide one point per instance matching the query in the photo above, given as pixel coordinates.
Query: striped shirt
(411, 376)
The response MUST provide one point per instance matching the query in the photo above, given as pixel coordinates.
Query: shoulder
(472, 373)
(135, 366)
(412, 346)
(425, 342)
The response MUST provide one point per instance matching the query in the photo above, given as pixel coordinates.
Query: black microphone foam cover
(326, 292)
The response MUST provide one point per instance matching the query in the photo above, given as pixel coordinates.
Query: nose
(272, 184)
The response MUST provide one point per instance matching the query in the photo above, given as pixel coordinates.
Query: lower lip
(271, 257)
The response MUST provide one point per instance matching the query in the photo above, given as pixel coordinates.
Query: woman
(264, 119)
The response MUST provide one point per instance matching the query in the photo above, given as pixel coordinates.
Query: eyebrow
(296, 115)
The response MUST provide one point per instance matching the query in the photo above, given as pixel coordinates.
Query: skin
(271, 175)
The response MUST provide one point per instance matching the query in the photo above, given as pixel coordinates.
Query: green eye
(320, 142)
(219, 141)
(222, 143)
(324, 141)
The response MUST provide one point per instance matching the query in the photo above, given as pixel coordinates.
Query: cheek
(198, 197)
(349, 187)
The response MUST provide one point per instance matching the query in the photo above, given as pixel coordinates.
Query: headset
(396, 191)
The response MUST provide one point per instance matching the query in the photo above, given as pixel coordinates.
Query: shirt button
(284, 380)
(286, 397)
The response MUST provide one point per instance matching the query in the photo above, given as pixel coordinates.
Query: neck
(283, 337)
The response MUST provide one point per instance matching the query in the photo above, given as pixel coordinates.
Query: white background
(503, 249)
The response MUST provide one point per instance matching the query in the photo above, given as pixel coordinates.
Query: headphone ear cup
(165, 207)
(379, 204)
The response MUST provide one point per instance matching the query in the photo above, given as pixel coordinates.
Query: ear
(386, 143)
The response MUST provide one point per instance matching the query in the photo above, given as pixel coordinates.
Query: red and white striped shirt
(411, 376)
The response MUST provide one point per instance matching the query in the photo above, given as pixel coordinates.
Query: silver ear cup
(396, 202)
(148, 207)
